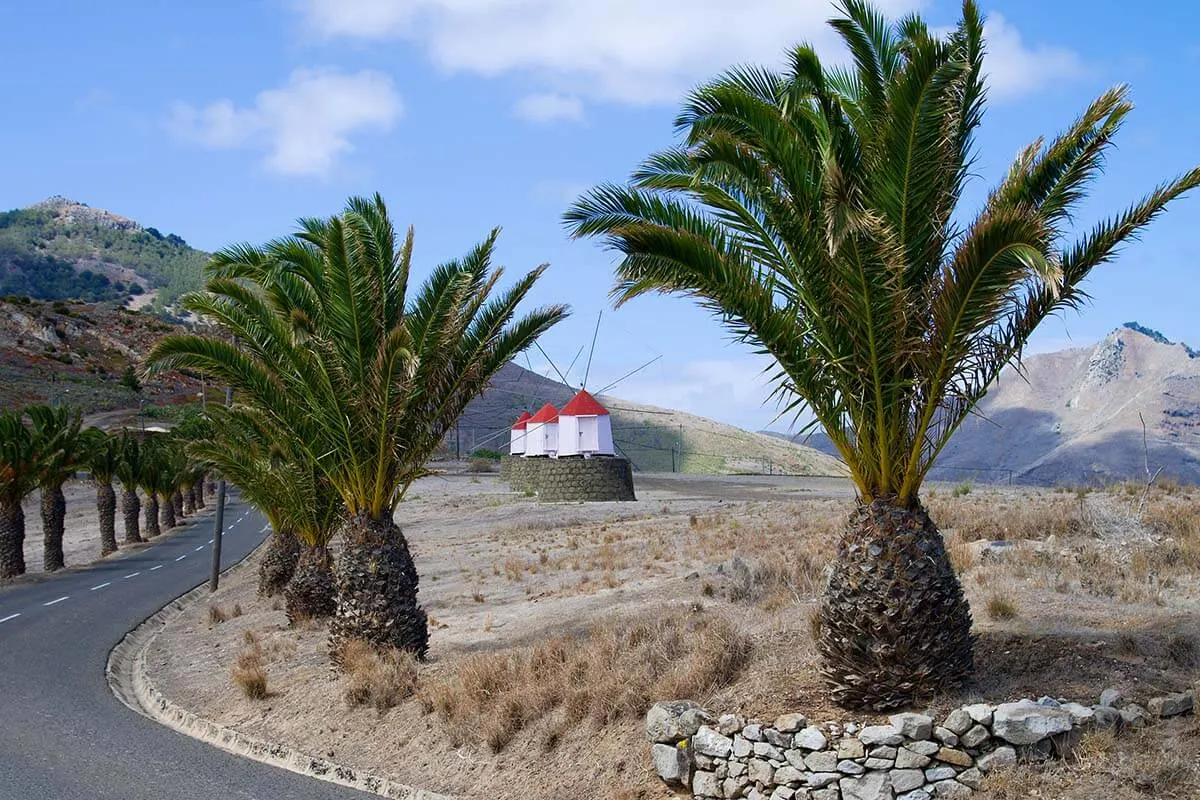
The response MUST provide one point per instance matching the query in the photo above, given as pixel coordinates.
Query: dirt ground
(709, 584)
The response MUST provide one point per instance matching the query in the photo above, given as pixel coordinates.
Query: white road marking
(198, 549)
(10, 616)
(182, 557)
(159, 566)
(133, 575)
(101, 586)
(265, 528)
(59, 600)
(210, 541)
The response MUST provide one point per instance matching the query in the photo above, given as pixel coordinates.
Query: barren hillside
(1075, 417)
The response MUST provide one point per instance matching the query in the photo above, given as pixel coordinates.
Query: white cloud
(304, 126)
(1014, 68)
(549, 107)
(620, 50)
(634, 51)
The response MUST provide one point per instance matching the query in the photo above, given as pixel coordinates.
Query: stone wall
(570, 479)
(913, 757)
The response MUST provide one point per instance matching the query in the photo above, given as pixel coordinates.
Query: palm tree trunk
(151, 516)
(278, 564)
(130, 507)
(895, 627)
(377, 590)
(177, 504)
(189, 500)
(310, 592)
(198, 492)
(166, 511)
(54, 512)
(12, 540)
(106, 509)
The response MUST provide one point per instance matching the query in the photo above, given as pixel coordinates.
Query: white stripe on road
(182, 557)
(160, 566)
(132, 575)
(265, 528)
(59, 600)
(198, 549)
(10, 616)
(101, 586)
(210, 541)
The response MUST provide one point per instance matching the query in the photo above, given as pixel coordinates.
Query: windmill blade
(592, 352)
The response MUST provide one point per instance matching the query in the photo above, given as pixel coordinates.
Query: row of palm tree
(345, 383)
(42, 447)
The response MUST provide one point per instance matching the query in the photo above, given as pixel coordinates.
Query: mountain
(654, 439)
(1075, 417)
(59, 249)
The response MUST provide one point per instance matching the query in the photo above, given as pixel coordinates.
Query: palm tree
(102, 456)
(151, 483)
(362, 378)
(56, 436)
(298, 502)
(18, 477)
(817, 211)
(129, 473)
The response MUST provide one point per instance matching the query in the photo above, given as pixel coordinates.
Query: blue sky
(225, 121)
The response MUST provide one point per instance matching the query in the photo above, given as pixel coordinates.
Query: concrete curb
(131, 683)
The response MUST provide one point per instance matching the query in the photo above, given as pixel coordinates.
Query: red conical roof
(519, 425)
(584, 405)
(546, 413)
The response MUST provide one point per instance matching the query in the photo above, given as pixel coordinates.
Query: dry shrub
(237, 611)
(249, 672)
(1182, 650)
(613, 671)
(1001, 605)
(1000, 516)
(962, 557)
(777, 581)
(377, 678)
(481, 465)
(217, 614)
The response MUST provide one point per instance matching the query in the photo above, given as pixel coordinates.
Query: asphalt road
(64, 736)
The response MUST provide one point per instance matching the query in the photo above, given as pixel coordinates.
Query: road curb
(131, 683)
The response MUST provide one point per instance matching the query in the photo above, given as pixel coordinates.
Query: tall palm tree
(18, 477)
(102, 455)
(299, 503)
(363, 378)
(56, 436)
(818, 212)
(129, 473)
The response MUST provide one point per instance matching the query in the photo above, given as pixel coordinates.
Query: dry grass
(217, 614)
(1159, 762)
(380, 679)
(249, 672)
(611, 672)
(1001, 605)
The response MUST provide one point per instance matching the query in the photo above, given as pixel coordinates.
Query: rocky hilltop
(61, 249)
(1075, 417)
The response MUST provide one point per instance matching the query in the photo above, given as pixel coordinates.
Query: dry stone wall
(913, 757)
(555, 480)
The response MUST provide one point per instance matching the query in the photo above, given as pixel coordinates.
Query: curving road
(64, 736)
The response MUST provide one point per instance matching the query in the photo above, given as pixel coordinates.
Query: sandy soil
(502, 574)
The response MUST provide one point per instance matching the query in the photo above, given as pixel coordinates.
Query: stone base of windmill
(565, 480)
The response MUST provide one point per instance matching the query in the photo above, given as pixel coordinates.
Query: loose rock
(672, 764)
(913, 726)
(1026, 723)
(710, 743)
